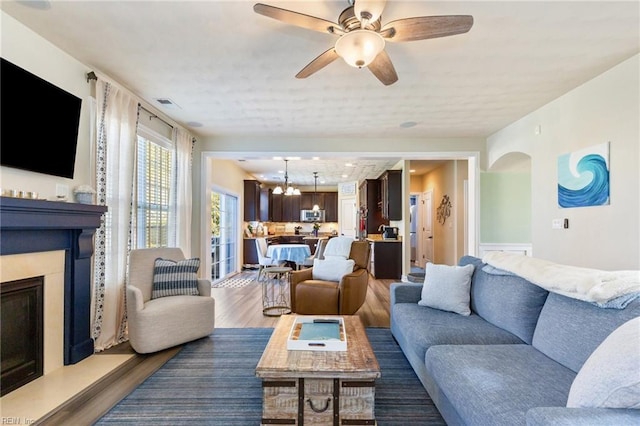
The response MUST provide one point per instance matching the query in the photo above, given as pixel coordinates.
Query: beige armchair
(157, 324)
(318, 297)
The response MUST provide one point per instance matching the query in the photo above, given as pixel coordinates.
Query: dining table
(295, 253)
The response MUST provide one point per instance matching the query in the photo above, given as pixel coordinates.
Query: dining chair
(263, 260)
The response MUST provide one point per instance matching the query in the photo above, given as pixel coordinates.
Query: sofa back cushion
(569, 330)
(507, 301)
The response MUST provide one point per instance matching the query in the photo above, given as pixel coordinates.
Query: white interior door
(426, 229)
(348, 214)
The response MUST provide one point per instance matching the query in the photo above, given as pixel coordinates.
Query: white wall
(605, 109)
(28, 50)
(505, 211)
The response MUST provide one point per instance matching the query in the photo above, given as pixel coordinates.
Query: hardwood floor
(235, 308)
(242, 307)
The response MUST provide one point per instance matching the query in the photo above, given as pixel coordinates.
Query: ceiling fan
(362, 36)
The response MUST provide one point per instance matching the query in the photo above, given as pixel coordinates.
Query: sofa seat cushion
(157, 308)
(497, 384)
(424, 327)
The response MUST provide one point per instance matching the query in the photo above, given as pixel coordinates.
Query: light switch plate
(556, 224)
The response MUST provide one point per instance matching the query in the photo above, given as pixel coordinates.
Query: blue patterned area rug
(212, 381)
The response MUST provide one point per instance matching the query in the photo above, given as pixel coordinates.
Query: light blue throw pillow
(447, 288)
(171, 278)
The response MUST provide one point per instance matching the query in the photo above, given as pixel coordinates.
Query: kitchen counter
(377, 238)
(304, 235)
(386, 259)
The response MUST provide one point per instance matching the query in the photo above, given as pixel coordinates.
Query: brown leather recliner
(317, 297)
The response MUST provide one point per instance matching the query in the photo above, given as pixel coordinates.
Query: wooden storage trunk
(318, 402)
(303, 387)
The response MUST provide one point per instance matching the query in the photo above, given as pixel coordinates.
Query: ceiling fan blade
(383, 69)
(295, 18)
(318, 63)
(424, 27)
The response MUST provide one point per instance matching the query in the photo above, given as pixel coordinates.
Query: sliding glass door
(224, 227)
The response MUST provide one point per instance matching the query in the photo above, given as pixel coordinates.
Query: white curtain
(183, 141)
(117, 116)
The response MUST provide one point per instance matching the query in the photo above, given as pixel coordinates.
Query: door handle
(431, 238)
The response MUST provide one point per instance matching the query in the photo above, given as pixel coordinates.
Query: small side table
(275, 291)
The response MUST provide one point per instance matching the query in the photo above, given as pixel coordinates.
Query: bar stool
(275, 291)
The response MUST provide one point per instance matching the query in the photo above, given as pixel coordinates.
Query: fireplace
(22, 317)
(38, 226)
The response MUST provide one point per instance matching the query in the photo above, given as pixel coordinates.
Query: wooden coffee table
(318, 387)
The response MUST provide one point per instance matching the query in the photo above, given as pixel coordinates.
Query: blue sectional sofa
(514, 359)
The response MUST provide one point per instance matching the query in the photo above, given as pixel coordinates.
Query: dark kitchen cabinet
(291, 208)
(369, 196)
(251, 200)
(330, 205)
(292, 239)
(249, 252)
(307, 200)
(285, 208)
(266, 205)
(387, 260)
(276, 207)
(312, 243)
(391, 194)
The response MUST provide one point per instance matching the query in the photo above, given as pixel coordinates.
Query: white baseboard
(522, 248)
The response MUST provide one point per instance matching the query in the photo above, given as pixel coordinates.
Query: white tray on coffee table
(317, 333)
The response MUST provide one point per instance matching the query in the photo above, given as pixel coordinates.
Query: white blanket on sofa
(591, 285)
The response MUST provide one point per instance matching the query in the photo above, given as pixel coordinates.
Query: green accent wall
(505, 207)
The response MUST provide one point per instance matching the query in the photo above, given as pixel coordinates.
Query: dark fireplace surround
(32, 226)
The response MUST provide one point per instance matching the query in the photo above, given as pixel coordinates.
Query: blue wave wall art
(583, 177)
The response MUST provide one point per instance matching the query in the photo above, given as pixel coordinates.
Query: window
(155, 183)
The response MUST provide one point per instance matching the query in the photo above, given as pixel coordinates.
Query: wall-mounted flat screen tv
(38, 123)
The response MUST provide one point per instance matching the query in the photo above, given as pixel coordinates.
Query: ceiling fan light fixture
(359, 48)
(368, 11)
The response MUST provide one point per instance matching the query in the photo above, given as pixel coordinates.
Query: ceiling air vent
(167, 103)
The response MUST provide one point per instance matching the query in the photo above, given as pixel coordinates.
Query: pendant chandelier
(316, 207)
(288, 190)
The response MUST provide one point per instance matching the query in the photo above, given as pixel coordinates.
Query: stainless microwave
(311, 215)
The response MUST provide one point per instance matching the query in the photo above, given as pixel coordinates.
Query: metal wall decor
(444, 209)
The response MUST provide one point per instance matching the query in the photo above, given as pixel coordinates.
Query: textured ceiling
(233, 70)
(331, 171)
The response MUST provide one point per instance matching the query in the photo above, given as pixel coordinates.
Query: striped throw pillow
(171, 278)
